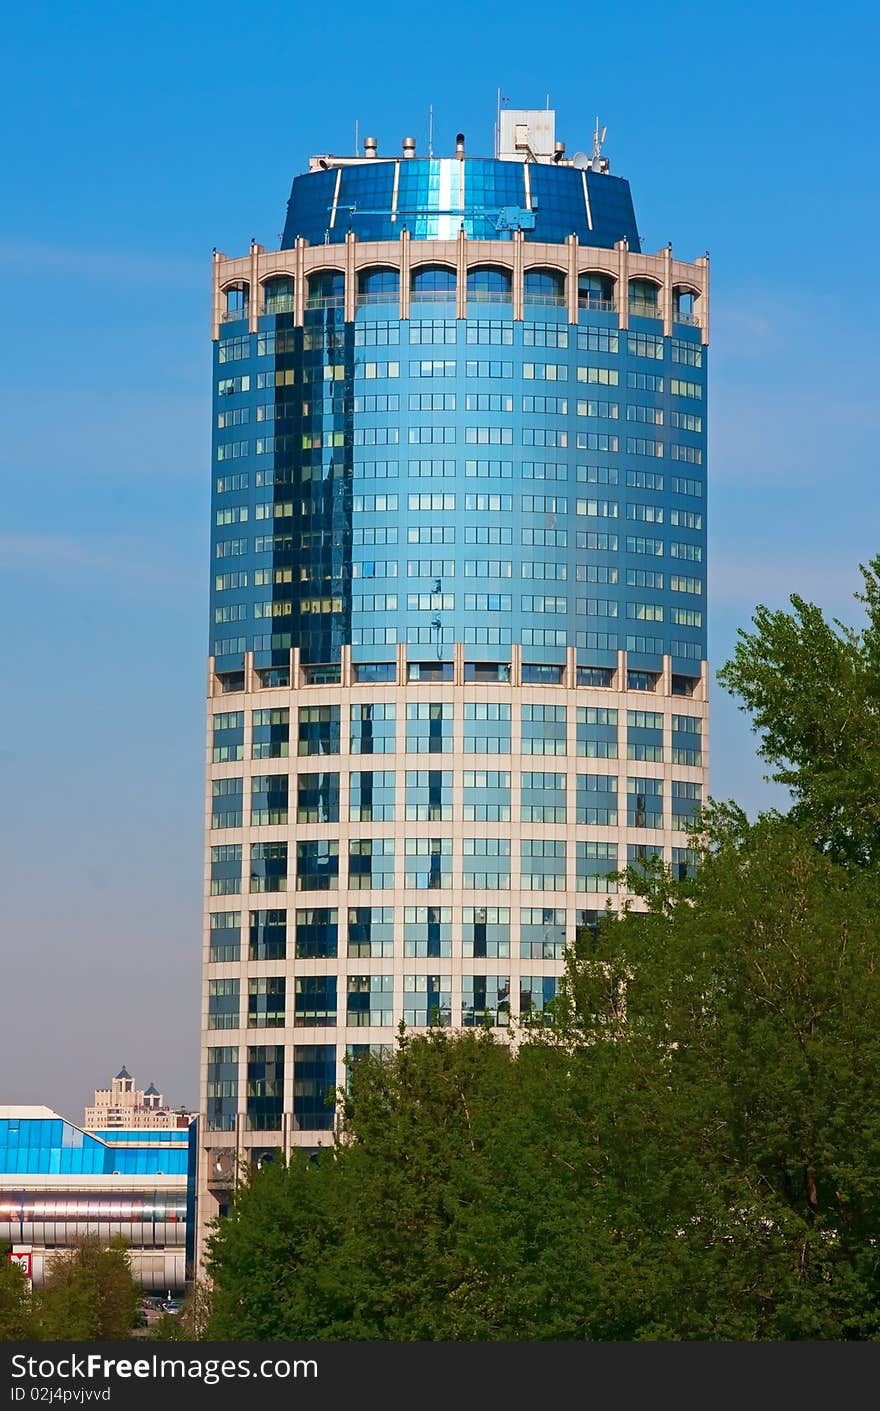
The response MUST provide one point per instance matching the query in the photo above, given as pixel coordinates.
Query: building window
(370, 863)
(317, 933)
(429, 728)
(593, 861)
(428, 795)
(486, 796)
(269, 795)
(315, 1001)
(542, 865)
(267, 935)
(543, 729)
(427, 999)
(266, 1001)
(369, 1000)
(314, 1086)
(318, 730)
(225, 941)
(317, 866)
(542, 798)
(541, 933)
(485, 932)
(223, 1004)
(485, 1001)
(268, 867)
(536, 994)
(373, 729)
(371, 796)
(265, 1088)
(427, 931)
(317, 798)
(485, 864)
(597, 800)
(644, 803)
(371, 931)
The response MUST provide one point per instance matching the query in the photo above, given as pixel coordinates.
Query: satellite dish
(580, 160)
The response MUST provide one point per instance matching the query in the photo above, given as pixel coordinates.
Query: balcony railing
(548, 301)
(692, 319)
(386, 296)
(233, 315)
(281, 304)
(644, 308)
(490, 296)
(597, 304)
(325, 301)
(432, 296)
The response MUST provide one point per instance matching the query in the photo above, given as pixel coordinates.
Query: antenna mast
(430, 129)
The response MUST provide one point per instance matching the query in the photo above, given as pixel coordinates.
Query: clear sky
(136, 138)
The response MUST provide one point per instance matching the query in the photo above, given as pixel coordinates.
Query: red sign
(23, 1261)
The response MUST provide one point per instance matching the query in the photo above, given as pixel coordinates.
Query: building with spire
(457, 664)
(124, 1106)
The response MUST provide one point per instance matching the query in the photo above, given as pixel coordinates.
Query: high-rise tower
(457, 648)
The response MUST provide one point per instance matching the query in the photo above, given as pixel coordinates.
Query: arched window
(595, 291)
(279, 294)
(237, 302)
(488, 284)
(433, 283)
(544, 286)
(684, 306)
(378, 286)
(326, 289)
(644, 298)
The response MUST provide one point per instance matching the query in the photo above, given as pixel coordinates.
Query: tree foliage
(813, 689)
(88, 1294)
(690, 1149)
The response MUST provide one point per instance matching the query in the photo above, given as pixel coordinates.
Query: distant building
(124, 1105)
(59, 1183)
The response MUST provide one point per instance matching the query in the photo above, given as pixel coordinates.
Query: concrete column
(248, 672)
(401, 663)
(346, 671)
(299, 288)
(703, 262)
(404, 273)
(622, 249)
(216, 296)
(518, 239)
(350, 277)
(255, 294)
(621, 671)
(570, 667)
(461, 275)
(458, 664)
(572, 280)
(667, 290)
(666, 676)
(515, 666)
(295, 673)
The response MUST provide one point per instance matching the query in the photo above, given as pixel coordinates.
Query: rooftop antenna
(430, 129)
(598, 162)
(356, 138)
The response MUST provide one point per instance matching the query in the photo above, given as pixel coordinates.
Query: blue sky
(139, 138)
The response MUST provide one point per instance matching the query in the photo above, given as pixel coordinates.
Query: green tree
(16, 1311)
(88, 1293)
(813, 689)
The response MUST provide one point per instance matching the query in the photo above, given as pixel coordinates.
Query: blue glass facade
(52, 1146)
(434, 198)
(437, 480)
